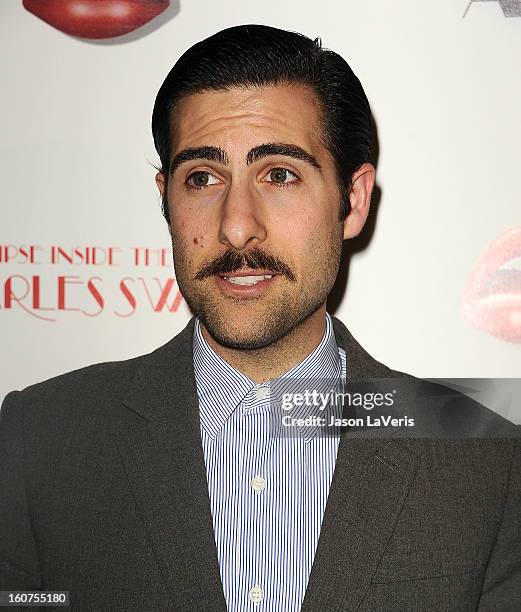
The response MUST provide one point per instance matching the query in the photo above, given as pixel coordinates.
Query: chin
(252, 324)
(254, 336)
(255, 331)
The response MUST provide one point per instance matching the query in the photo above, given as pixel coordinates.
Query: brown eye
(201, 178)
(281, 176)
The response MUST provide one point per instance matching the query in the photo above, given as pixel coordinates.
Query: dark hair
(257, 55)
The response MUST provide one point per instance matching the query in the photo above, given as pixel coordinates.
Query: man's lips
(246, 272)
(492, 296)
(255, 282)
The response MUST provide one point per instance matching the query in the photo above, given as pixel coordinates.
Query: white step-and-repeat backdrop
(85, 265)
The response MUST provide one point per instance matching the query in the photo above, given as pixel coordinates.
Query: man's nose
(242, 222)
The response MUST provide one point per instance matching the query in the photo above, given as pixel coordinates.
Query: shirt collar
(221, 388)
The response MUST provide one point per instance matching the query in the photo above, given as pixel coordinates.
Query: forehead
(244, 117)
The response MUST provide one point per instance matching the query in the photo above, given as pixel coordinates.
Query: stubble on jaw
(276, 334)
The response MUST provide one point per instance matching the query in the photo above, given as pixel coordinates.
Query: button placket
(255, 464)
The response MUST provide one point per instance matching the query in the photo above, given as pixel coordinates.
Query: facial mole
(196, 241)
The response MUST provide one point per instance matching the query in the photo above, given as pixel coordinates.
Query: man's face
(254, 210)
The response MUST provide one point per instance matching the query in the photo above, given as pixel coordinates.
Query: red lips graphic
(96, 18)
(492, 297)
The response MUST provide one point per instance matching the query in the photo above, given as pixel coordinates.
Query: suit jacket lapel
(370, 483)
(160, 443)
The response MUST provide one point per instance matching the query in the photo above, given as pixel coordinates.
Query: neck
(265, 364)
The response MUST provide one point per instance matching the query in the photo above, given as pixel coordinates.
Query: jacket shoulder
(440, 411)
(89, 387)
(106, 379)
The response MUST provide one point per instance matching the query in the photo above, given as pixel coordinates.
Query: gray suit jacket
(103, 493)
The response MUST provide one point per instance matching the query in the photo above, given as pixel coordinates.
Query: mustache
(256, 259)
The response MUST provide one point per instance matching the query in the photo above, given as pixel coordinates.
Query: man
(158, 483)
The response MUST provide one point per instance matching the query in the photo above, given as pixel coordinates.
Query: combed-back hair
(256, 55)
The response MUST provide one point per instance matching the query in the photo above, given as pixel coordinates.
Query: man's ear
(161, 185)
(160, 182)
(362, 184)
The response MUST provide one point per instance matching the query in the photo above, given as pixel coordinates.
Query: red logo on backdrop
(492, 296)
(96, 18)
(47, 282)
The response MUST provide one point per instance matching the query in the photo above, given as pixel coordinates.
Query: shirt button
(262, 393)
(256, 594)
(258, 483)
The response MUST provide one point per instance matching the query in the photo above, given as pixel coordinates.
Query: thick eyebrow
(216, 154)
(279, 148)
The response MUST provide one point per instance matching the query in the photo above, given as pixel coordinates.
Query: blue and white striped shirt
(267, 493)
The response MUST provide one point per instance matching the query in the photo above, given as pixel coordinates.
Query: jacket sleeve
(19, 563)
(502, 584)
